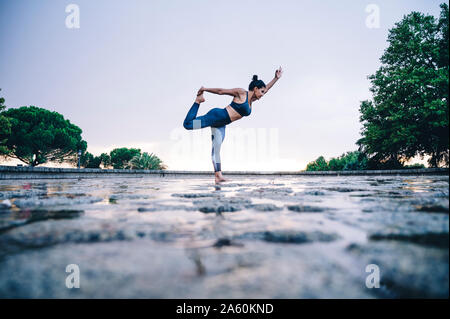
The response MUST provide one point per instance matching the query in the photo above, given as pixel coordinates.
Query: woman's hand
(200, 91)
(278, 73)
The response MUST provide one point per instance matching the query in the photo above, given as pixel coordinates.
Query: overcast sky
(129, 74)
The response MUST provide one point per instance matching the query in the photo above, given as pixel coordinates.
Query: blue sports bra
(244, 109)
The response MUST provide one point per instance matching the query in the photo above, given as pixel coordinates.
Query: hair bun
(255, 78)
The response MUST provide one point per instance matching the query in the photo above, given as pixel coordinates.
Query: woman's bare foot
(200, 99)
(219, 178)
(201, 90)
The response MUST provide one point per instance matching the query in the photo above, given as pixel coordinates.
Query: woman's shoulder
(242, 93)
(242, 96)
(239, 92)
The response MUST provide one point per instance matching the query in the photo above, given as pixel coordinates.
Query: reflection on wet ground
(284, 237)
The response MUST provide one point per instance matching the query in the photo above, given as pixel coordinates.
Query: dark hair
(256, 83)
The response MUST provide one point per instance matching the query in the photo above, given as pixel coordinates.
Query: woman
(218, 118)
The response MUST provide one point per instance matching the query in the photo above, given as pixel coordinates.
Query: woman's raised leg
(190, 122)
(215, 118)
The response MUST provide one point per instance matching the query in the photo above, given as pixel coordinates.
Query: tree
(38, 136)
(347, 161)
(320, 164)
(121, 156)
(105, 160)
(85, 158)
(146, 161)
(409, 113)
(354, 161)
(5, 128)
(336, 164)
(90, 161)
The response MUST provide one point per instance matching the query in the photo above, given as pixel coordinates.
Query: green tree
(336, 164)
(347, 161)
(146, 161)
(320, 164)
(409, 113)
(105, 160)
(85, 158)
(38, 136)
(121, 156)
(354, 161)
(5, 128)
(90, 161)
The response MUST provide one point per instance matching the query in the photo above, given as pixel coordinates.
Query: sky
(128, 74)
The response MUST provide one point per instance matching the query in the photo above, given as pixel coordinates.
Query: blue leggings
(217, 119)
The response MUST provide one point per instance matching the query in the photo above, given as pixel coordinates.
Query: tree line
(36, 136)
(349, 161)
(409, 113)
(123, 158)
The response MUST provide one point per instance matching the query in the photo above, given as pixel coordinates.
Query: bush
(90, 161)
(121, 156)
(347, 161)
(416, 165)
(146, 161)
(320, 164)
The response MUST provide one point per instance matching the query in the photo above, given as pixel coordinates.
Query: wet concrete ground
(253, 237)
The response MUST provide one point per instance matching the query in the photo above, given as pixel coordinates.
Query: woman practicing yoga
(218, 118)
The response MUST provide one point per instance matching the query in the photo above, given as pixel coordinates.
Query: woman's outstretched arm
(232, 92)
(278, 74)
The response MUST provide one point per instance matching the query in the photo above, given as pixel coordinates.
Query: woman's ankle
(199, 99)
